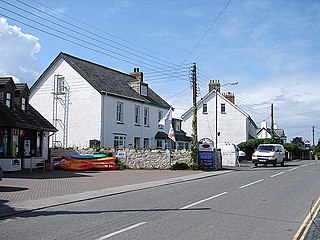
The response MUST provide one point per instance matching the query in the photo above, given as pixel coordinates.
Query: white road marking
(304, 165)
(121, 231)
(293, 169)
(277, 174)
(204, 200)
(249, 184)
(312, 163)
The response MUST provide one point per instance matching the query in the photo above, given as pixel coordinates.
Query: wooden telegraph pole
(194, 147)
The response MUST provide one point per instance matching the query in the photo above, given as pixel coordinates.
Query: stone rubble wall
(153, 159)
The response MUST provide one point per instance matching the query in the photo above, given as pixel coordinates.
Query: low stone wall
(153, 159)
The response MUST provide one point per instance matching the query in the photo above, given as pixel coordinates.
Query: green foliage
(179, 166)
(108, 154)
(120, 165)
(298, 141)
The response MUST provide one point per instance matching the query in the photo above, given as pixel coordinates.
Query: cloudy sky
(271, 47)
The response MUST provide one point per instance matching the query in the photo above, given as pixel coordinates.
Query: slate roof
(16, 117)
(105, 79)
(278, 132)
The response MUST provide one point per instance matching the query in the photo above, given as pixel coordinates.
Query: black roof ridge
(97, 64)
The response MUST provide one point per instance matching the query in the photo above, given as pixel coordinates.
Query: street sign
(206, 154)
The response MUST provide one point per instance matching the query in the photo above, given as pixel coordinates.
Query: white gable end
(84, 108)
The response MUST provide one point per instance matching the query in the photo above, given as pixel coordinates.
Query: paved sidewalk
(25, 191)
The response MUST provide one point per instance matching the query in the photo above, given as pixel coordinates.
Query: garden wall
(153, 159)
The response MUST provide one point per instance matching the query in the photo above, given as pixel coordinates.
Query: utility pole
(194, 147)
(272, 123)
(313, 135)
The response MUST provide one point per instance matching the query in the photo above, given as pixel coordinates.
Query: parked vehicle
(229, 153)
(269, 154)
(1, 172)
(242, 155)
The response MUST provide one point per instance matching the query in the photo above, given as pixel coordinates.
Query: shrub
(179, 166)
(120, 165)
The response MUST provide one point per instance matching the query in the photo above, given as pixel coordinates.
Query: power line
(77, 38)
(100, 30)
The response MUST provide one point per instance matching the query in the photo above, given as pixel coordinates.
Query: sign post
(206, 154)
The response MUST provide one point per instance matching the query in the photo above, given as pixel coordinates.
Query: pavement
(25, 191)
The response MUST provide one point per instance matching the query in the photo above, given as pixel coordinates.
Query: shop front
(24, 132)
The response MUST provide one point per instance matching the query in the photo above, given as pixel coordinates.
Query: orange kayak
(76, 165)
(104, 166)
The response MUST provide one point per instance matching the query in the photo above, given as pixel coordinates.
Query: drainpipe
(103, 94)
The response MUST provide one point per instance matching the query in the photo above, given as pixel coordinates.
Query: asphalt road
(258, 203)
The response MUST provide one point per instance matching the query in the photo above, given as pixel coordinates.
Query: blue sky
(271, 47)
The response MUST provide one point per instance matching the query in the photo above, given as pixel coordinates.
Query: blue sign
(206, 159)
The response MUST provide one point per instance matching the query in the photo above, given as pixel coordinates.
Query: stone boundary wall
(153, 159)
(137, 159)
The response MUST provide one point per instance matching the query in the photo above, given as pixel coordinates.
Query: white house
(88, 102)
(234, 125)
(265, 132)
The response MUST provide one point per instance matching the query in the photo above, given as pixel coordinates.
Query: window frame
(120, 112)
(160, 116)
(205, 108)
(146, 115)
(9, 99)
(23, 104)
(117, 139)
(223, 108)
(146, 143)
(137, 115)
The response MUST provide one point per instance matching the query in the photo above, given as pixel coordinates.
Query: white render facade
(234, 125)
(95, 111)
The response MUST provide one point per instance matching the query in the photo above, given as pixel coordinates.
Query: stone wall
(153, 159)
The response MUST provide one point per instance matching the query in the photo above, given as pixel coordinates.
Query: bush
(179, 166)
(120, 165)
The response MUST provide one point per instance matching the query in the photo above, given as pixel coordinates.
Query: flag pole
(170, 151)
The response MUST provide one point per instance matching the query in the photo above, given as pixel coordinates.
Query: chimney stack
(214, 85)
(137, 74)
(230, 96)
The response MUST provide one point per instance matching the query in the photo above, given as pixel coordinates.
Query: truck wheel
(282, 163)
(256, 164)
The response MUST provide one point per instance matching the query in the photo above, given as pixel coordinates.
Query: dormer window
(23, 104)
(8, 99)
(144, 90)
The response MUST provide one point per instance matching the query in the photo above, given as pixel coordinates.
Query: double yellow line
(305, 226)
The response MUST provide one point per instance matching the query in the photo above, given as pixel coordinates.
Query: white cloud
(18, 53)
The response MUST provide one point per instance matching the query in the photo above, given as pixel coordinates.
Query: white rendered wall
(232, 124)
(84, 108)
(129, 128)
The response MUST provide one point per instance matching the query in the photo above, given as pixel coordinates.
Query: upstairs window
(205, 108)
(23, 104)
(137, 115)
(146, 117)
(160, 116)
(8, 100)
(178, 126)
(119, 112)
(223, 108)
